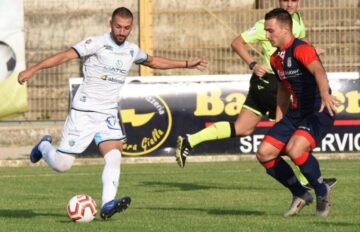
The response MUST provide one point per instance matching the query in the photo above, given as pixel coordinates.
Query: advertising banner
(155, 110)
(13, 97)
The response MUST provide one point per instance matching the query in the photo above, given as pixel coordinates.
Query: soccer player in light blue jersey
(94, 109)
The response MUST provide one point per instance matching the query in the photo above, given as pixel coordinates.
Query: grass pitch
(222, 196)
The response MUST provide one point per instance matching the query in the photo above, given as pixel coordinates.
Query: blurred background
(180, 30)
(36, 29)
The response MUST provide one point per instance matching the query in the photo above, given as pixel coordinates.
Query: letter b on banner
(209, 103)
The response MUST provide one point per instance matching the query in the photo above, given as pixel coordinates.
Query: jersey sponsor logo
(150, 119)
(292, 73)
(116, 80)
(71, 142)
(119, 80)
(289, 63)
(108, 47)
(73, 136)
(119, 64)
(83, 98)
(111, 123)
(114, 69)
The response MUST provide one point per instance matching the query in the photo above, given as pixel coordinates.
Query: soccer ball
(7, 61)
(81, 208)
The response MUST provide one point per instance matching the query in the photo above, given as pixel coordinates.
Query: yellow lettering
(147, 142)
(353, 102)
(130, 147)
(236, 101)
(342, 101)
(209, 103)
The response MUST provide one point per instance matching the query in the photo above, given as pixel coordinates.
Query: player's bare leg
(246, 122)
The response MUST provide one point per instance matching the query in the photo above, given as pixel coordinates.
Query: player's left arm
(328, 101)
(158, 62)
(306, 54)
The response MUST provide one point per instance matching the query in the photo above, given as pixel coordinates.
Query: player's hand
(24, 76)
(199, 64)
(330, 102)
(319, 50)
(260, 70)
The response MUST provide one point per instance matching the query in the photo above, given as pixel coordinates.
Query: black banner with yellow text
(155, 110)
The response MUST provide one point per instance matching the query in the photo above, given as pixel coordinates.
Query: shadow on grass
(25, 213)
(182, 186)
(194, 186)
(219, 212)
(332, 223)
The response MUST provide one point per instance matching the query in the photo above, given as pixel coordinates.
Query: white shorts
(81, 128)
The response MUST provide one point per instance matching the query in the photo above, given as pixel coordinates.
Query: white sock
(111, 175)
(58, 161)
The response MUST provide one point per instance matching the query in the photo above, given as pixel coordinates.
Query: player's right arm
(49, 62)
(239, 46)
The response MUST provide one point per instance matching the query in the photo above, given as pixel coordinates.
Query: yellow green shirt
(257, 34)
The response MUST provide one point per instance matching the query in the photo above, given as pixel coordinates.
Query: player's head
(290, 5)
(121, 24)
(278, 27)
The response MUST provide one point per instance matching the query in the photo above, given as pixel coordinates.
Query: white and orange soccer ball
(82, 208)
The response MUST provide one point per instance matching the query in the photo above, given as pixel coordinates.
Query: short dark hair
(122, 12)
(280, 15)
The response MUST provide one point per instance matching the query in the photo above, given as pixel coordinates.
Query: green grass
(223, 196)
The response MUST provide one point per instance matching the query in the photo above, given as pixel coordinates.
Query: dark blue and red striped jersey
(289, 66)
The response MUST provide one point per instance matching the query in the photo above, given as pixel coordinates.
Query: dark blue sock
(282, 172)
(309, 166)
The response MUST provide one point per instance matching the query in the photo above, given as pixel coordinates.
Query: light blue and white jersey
(105, 68)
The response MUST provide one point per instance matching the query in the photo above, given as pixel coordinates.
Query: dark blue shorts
(313, 127)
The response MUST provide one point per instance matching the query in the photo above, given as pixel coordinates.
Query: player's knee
(63, 167)
(243, 132)
(294, 152)
(267, 152)
(64, 163)
(113, 158)
(262, 154)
